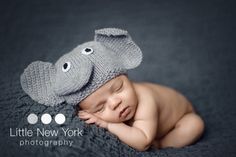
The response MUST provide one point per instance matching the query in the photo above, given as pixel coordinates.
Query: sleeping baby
(143, 114)
(93, 76)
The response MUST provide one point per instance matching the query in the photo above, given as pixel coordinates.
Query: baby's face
(115, 101)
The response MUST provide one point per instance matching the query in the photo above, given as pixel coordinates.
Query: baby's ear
(121, 43)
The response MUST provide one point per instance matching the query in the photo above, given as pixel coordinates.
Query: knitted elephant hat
(80, 72)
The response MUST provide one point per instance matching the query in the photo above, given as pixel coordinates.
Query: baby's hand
(92, 119)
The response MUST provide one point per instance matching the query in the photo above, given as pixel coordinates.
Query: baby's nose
(114, 102)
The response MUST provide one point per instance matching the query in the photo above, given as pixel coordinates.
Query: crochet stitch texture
(80, 72)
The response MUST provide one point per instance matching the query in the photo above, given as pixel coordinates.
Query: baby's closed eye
(100, 109)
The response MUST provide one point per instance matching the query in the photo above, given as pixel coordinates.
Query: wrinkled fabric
(189, 46)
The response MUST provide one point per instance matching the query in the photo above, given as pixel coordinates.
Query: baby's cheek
(109, 117)
(105, 116)
(98, 115)
(102, 116)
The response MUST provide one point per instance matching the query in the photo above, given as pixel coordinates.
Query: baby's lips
(125, 112)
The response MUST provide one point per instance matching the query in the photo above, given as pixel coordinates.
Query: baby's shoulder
(147, 89)
(149, 93)
(147, 102)
(143, 90)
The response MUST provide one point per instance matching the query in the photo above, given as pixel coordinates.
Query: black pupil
(87, 50)
(65, 65)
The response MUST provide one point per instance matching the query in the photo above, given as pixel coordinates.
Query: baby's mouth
(124, 112)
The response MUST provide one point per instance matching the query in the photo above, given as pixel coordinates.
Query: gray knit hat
(80, 72)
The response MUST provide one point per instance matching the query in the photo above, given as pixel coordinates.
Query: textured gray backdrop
(187, 45)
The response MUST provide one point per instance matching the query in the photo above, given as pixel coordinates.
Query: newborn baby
(143, 114)
(94, 77)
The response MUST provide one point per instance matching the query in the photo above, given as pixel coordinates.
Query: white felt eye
(87, 51)
(66, 66)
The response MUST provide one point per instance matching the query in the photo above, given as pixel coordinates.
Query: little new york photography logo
(26, 135)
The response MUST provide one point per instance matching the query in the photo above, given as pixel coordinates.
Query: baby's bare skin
(143, 114)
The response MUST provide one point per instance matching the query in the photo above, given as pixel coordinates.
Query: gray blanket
(189, 46)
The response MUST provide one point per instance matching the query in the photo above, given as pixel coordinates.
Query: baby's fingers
(84, 115)
(90, 121)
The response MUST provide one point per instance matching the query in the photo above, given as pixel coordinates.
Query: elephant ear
(119, 41)
(37, 80)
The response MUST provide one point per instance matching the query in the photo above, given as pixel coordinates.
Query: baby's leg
(186, 131)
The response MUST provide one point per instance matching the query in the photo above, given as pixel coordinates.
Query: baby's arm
(139, 136)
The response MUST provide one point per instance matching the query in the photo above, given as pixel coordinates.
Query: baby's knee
(195, 124)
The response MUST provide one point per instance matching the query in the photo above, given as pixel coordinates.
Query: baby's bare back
(171, 106)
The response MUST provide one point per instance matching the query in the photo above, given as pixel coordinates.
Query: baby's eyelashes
(101, 109)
